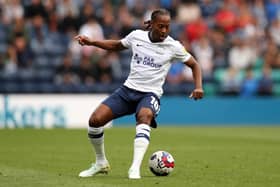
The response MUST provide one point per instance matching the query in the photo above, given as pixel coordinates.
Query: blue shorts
(125, 101)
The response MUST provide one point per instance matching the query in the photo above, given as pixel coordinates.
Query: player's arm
(113, 45)
(197, 93)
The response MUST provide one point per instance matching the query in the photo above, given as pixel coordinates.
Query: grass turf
(204, 157)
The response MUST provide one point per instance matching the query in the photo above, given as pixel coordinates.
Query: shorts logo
(154, 103)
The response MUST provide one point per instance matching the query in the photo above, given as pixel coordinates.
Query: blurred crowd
(237, 43)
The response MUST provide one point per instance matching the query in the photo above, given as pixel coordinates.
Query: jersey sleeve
(127, 41)
(180, 53)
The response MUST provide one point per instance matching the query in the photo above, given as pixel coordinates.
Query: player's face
(160, 28)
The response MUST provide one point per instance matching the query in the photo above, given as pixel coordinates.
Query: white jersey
(150, 61)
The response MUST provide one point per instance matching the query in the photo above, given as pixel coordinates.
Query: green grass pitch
(204, 157)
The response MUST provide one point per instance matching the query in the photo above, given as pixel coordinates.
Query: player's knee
(145, 118)
(95, 121)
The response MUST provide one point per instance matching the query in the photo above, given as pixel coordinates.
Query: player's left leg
(146, 112)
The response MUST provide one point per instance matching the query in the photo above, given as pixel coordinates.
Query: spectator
(265, 82)
(249, 86)
(209, 7)
(103, 70)
(244, 16)
(74, 48)
(35, 8)
(23, 52)
(86, 11)
(30, 28)
(175, 74)
(55, 43)
(50, 6)
(231, 82)
(4, 32)
(109, 28)
(204, 53)
(66, 8)
(66, 73)
(19, 27)
(92, 29)
(220, 47)
(258, 11)
(12, 10)
(127, 23)
(10, 61)
(86, 71)
(114, 61)
(241, 55)
(208, 10)
(2, 62)
(277, 61)
(68, 13)
(226, 18)
(272, 55)
(38, 31)
(193, 12)
(272, 10)
(138, 9)
(171, 6)
(196, 29)
(274, 31)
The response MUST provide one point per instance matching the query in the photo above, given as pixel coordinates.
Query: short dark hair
(159, 12)
(155, 14)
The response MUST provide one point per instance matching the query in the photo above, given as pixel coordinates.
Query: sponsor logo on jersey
(148, 61)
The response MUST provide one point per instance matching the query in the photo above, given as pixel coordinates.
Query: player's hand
(83, 40)
(197, 94)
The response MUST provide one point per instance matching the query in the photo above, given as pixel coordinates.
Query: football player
(153, 51)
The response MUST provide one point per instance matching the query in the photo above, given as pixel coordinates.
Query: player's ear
(148, 24)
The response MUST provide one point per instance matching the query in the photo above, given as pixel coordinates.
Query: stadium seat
(44, 76)
(258, 64)
(47, 88)
(29, 87)
(25, 76)
(10, 78)
(276, 89)
(257, 73)
(210, 89)
(177, 89)
(11, 87)
(41, 61)
(219, 74)
(3, 47)
(275, 74)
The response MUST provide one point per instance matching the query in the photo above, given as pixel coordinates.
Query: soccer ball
(161, 163)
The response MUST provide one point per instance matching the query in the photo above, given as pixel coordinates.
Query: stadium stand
(227, 38)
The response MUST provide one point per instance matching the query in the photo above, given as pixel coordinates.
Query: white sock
(141, 143)
(96, 137)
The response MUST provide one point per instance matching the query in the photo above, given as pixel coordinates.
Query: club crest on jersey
(148, 61)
